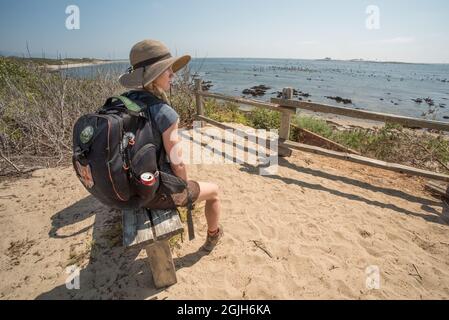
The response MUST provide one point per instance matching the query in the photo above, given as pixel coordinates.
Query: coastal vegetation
(38, 110)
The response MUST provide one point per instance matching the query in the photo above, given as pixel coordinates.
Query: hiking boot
(212, 241)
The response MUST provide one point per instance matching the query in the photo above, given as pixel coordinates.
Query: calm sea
(381, 87)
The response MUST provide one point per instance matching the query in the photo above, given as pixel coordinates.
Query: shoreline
(52, 68)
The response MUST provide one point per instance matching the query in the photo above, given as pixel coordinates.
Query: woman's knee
(209, 191)
(215, 192)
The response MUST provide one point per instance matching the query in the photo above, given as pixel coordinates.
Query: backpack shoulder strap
(128, 103)
(144, 100)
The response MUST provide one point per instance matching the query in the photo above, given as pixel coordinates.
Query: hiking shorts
(180, 199)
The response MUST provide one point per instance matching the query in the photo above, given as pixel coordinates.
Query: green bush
(264, 119)
(13, 72)
(440, 147)
(224, 112)
(314, 125)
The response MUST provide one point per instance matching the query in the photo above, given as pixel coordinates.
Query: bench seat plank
(136, 228)
(166, 223)
(144, 226)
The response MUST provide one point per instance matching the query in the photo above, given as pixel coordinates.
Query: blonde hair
(157, 91)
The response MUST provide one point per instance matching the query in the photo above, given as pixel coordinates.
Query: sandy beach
(52, 68)
(308, 232)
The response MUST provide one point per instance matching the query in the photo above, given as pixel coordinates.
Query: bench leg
(161, 264)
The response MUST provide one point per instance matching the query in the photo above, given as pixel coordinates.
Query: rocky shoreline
(261, 90)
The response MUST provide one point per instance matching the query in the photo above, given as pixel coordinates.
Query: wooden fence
(287, 107)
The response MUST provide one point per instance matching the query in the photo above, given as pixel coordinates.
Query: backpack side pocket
(146, 192)
(144, 160)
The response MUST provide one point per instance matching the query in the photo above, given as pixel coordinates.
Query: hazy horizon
(37, 56)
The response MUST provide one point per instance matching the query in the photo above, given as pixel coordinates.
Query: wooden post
(199, 99)
(161, 264)
(284, 131)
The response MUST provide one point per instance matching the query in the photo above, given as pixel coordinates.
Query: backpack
(113, 147)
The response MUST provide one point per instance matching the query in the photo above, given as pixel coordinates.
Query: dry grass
(174, 242)
(79, 255)
(38, 110)
(17, 249)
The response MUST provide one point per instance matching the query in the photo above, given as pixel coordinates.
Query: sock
(213, 233)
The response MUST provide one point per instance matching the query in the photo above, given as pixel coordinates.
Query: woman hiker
(153, 69)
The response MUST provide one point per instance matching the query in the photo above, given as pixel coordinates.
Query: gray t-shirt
(164, 117)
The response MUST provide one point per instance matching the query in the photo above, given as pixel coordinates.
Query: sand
(308, 232)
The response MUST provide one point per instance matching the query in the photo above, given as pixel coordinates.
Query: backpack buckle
(128, 139)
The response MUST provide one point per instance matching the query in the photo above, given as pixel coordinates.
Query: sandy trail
(310, 232)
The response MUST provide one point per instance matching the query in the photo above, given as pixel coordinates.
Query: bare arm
(172, 145)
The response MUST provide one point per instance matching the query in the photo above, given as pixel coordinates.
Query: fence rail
(287, 107)
(361, 114)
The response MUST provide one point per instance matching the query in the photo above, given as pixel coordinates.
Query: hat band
(151, 61)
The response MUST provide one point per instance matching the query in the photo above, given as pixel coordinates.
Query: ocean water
(373, 86)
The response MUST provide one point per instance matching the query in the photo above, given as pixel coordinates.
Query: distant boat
(325, 59)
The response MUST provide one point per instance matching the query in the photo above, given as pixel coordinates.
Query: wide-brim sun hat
(149, 59)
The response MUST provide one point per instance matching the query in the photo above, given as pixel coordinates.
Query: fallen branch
(262, 247)
(23, 171)
(425, 149)
(9, 196)
(417, 272)
(10, 162)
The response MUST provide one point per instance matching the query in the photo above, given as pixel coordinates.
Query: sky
(403, 30)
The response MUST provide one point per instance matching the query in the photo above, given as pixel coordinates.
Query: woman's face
(164, 81)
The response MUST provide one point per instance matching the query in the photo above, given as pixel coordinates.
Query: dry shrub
(38, 110)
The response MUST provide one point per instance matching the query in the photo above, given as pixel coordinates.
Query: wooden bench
(152, 229)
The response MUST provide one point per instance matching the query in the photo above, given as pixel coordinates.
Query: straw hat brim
(140, 77)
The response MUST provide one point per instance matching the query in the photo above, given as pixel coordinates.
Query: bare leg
(209, 192)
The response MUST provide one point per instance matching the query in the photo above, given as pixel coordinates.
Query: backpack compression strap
(133, 108)
(189, 215)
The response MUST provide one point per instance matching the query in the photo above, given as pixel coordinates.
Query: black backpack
(113, 147)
